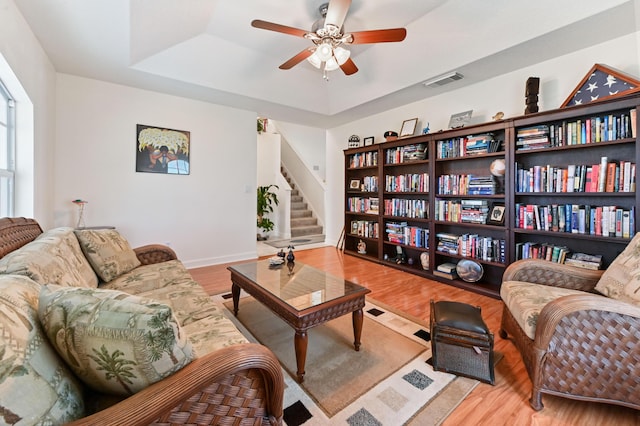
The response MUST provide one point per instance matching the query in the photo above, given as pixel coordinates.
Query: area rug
(388, 382)
(297, 241)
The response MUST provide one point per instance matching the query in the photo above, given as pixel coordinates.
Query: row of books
(483, 248)
(363, 205)
(473, 246)
(401, 207)
(370, 184)
(604, 128)
(546, 251)
(533, 137)
(363, 159)
(403, 233)
(558, 254)
(607, 176)
(596, 129)
(468, 146)
(466, 185)
(608, 221)
(466, 211)
(403, 154)
(364, 228)
(411, 182)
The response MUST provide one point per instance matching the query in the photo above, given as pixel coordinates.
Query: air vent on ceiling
(443, 79)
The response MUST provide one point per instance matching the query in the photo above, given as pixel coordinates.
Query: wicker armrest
(590, 306)
(155, 253)
(539, 271)
(240, 381)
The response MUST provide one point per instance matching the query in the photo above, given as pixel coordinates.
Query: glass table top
(301, 287)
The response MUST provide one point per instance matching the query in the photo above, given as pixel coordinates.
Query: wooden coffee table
(302, 296)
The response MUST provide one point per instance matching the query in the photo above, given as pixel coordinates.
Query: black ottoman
(460, 341)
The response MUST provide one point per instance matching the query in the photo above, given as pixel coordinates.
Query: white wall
(309, 143)
(36, 143)
(207, 217)
(558, 78)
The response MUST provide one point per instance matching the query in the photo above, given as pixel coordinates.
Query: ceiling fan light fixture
(324, 51)
(339, 57)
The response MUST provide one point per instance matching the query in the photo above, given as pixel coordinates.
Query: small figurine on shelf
(362, 247)
(291, 257)
(281, 254)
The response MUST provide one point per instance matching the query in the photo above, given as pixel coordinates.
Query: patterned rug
(412, 394)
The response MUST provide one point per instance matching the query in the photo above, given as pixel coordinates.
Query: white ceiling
(207, 50)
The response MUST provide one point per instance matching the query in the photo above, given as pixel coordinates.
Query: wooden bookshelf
(424, 194)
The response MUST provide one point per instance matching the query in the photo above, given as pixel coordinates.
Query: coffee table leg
(235, 292)
(357, 318)
(300, 342)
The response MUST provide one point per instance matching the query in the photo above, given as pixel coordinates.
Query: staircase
(302, 220)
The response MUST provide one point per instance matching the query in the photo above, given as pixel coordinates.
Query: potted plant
(266, 200)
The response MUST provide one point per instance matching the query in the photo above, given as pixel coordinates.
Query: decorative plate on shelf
(469, 270)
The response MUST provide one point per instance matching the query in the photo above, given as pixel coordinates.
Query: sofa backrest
(16, 232)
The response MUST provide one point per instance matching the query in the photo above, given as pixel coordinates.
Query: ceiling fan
(328, 37)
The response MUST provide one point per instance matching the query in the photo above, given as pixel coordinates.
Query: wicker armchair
(586, 346)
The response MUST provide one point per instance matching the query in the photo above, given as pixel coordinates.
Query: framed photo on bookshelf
(496, 214)
(460, 119)
(368, 141)
(408, 127)
(354, 184)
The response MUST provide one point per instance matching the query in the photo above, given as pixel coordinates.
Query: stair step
(296, 199)
(295, 214)
(306, 230)
(298, 206)
(303, 221)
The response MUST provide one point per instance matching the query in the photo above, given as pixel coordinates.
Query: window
(7, 151)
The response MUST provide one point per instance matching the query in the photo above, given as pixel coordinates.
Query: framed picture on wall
(161, 150)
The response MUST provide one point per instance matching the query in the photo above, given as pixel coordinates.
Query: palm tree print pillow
(108, 252)
(621, 280)
(116, 343)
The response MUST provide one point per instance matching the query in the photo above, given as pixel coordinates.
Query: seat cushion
(108, 252)
(170, 283)
(526, 300)
(621, 280)
(114, 342)
(36, 387)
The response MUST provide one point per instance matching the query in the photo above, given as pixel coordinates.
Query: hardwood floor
(506, 403)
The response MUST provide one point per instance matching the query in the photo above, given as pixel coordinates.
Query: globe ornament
(498, 167)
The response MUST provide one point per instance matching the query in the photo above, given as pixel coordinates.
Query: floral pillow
(621, 280)
(36, 387)
(108, 252)
(116, 343)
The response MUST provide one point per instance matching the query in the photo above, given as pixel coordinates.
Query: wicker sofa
(578, 330)
(211, 374)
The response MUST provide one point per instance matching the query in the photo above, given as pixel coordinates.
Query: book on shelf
(447, 267)
(583, 260)
(446, 270)
(453, 275)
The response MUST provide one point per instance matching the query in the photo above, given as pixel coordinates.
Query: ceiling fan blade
(349, 67)
(379, 36)
(296, 59)
(337, 12)
(264, 25)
